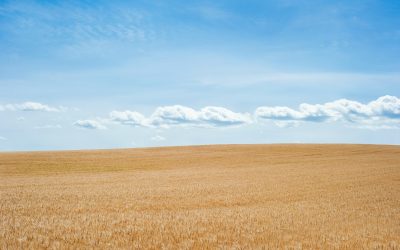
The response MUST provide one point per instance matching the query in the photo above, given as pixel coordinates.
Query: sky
(118, 74)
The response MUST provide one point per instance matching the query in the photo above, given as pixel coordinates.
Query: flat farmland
(203, 197)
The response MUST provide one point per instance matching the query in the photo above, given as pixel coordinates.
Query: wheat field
(203, 197)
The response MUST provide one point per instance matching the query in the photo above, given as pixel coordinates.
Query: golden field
(203, 197)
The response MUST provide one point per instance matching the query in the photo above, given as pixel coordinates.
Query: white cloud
(208, 116)
(127, 117)
(388, 106)
(348, 110)
(218, 116)
(158, 138)
(306, 112)
(2, 138)
(30, 106)
(89, 124)
(383, 112)
(278, 113)
(35, 106)
(178, 115)
(174, 115)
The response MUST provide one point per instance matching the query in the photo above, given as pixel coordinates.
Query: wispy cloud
(74, 23)
(30, 106)
(211, 12)
(254, 78)
(49, 126)
(2, 138)
(89, 124)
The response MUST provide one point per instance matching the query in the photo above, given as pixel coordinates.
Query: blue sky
(110, 74)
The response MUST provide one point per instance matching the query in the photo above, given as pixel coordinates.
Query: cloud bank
(178, 115)
(208, 116)
(382, 113)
